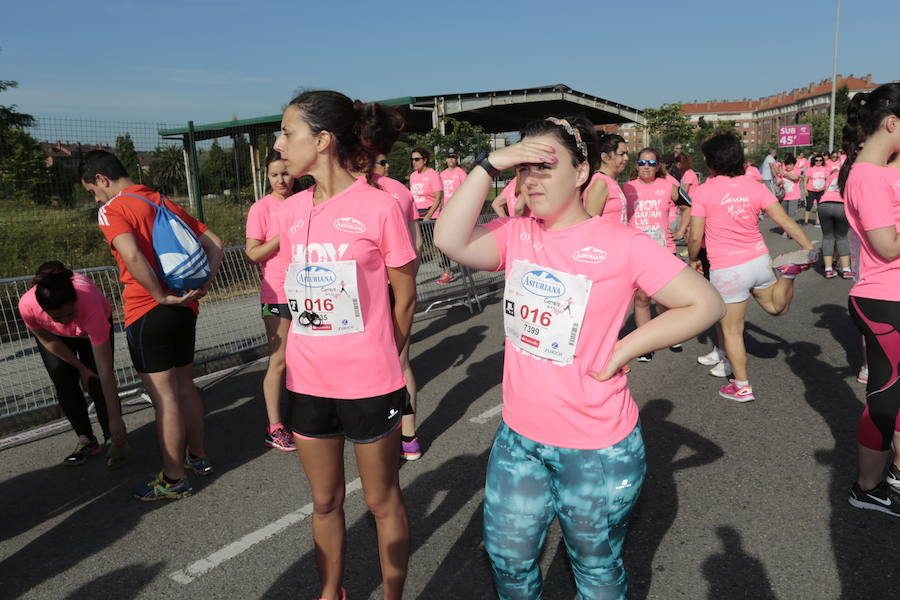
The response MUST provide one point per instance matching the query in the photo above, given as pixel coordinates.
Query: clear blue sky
(205, 60)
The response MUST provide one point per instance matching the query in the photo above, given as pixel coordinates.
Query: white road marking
(204, 565)
(487, 415)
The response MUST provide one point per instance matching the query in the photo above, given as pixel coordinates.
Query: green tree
(461, 136)
(167, 170)
(23, 168)
(668, 125)
(841, 100)
(216, 170)
(126, 153)
(10, 118)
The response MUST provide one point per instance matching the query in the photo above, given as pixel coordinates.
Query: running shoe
(85, 449)
(818, 226)
(445, 278)
(738, 394)
(847, 274)
(863, 375)
(411, 450)
(722, 369)
(158, 489)
(830, 273)
(785, 235)
(645, 357)
(116, 456)
(199, 465)
(626, 369)
(676, 348)
(893, 477)
(280, 439)
(800, 258)
(881, 498)
(713, 358)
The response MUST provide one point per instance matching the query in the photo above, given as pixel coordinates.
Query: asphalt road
(741, 500)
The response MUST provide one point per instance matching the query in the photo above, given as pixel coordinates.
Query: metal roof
(497, 111)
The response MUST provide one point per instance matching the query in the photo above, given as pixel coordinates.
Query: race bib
(819, 182)
(327, 289)
(544, 310)
(658, 234)
(788, 185)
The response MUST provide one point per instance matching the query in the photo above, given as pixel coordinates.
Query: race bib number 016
(544, 310)
(327, 289)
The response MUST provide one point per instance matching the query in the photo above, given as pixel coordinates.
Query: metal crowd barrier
(229, 320)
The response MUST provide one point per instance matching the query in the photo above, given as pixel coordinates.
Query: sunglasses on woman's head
(647, 163)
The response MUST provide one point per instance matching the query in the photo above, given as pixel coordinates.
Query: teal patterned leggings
(591, 492)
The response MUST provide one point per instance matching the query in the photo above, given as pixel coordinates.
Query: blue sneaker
(158, 489)
(199, 465)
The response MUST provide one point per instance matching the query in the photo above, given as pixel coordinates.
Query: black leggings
(68, 385)
(834, 228)
(879, 322)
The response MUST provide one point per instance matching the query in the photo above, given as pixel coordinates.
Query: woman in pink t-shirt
(650, 197)
(791, 176)
(569, 445)
(342, 241)
(261, 246)
(604, 197)
(72, 321)
(428, 192)
(725, 213)
(814, 180)
(871, 192)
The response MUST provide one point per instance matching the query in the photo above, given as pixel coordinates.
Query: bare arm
(438, 200)
(597, 195)
(499, 205)
(403, 283)
(215, 252)
(695, 238)
(777, 214)
(885, 241)
(103, 357)
(693, 305)
(684, 223)
(56, 347)
(258, 251)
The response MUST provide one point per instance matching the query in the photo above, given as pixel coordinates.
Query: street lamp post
(837, 25)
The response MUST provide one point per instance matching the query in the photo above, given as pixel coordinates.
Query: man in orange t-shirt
(160, 325)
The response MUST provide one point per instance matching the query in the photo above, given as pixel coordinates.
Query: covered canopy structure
(497, 112)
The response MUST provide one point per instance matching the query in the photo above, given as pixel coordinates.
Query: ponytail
(53, 285)
(361, 131)
(865, 112)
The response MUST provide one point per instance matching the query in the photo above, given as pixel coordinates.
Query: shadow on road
(734, 573)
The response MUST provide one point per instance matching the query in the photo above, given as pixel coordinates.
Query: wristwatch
(482, 161)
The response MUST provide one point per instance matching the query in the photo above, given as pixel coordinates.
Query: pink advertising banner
(795, 135)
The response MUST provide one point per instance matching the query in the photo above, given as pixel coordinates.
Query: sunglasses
(452, 156)
(416, 158)
(383, 163)
(647, 163)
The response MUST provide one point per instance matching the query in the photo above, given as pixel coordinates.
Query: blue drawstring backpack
(181, 261)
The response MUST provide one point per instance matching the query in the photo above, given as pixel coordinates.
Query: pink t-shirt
(689, 177)
(92, 313)
(509, 192)
(423, 186)
(791, 187)
(562, 405)
(802, 163)
(751, 172)
(363, 224)
(398, 192)
(872, 198)
(614, 209)
(261, 225)
(731, 207)
(832, 189)
(452, 179)
(816, 178)
(649, 206)
(833, 165)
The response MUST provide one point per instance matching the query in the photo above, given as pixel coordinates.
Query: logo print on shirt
(297, 226)
(590, 254)
(543, 283)
(315, 276)
(392, 413)
(349, 225)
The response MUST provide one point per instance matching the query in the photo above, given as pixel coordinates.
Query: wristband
(485, 164)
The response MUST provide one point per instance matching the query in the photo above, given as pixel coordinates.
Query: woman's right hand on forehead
(523, 153)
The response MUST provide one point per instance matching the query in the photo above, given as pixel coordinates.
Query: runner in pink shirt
(751, 172)
(342, 241)
(725, 213)
(428, 193)
(569, 283)
(603, 196)
(453, 176)
(835, 228)
(649, 197)
(410, 448)
(261, 246)
(814, 180)
(871, 191)
(72, 321)
(791, 176)
(509, 202)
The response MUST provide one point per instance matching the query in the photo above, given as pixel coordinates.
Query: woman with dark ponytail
(569, 445)
(71, 319)
(871, 191)
(604, 197)
(341, 241)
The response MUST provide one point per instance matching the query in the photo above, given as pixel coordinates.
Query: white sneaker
(722, 369)
(713, 358)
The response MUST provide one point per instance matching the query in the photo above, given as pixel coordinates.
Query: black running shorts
(162, 339)
(361, 421)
